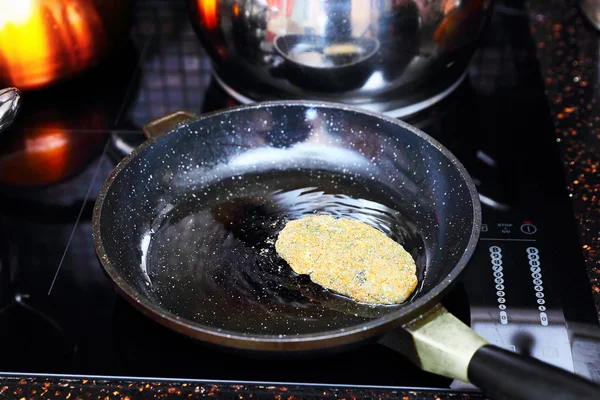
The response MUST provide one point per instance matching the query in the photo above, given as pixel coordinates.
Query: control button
(544, 318)
(528, 229)
(503, 318)
(505, 227)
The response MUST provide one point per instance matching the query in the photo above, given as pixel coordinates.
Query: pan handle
(505, 375)
(164, 124)
(442, 344)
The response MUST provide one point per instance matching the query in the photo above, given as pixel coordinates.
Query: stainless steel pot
(361, 52)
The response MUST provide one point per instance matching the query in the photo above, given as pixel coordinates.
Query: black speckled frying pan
(185, 227)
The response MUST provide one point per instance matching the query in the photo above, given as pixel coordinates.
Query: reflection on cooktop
(29, 338)
(146, 348)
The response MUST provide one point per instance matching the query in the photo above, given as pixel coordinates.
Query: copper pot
(46, 41)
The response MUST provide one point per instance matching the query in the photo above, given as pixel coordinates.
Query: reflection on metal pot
(266, 49)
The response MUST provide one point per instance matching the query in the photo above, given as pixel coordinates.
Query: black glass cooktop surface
(526, 288)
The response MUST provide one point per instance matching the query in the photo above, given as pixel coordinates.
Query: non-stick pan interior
(189, 222)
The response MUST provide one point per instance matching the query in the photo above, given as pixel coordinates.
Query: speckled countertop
(568, 53)
(20, 388)
(567, 46)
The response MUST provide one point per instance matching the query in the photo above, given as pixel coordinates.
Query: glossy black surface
(83, 327)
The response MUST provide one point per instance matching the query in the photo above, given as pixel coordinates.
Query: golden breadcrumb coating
(348, 257)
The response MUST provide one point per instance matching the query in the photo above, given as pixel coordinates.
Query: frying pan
(185, 228)
(329, 71)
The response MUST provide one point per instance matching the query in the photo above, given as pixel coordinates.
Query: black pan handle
(165, 124)
(440, 343)
(505, 375)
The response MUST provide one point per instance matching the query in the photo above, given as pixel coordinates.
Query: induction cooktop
(526, 287)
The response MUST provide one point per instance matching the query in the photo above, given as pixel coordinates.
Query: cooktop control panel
(513, 304)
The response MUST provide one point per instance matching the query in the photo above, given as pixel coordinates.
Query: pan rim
(294, 341)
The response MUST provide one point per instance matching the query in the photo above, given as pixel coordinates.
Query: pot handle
(164, 124)
(442, 344)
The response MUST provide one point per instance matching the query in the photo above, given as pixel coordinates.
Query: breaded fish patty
(348, 257)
